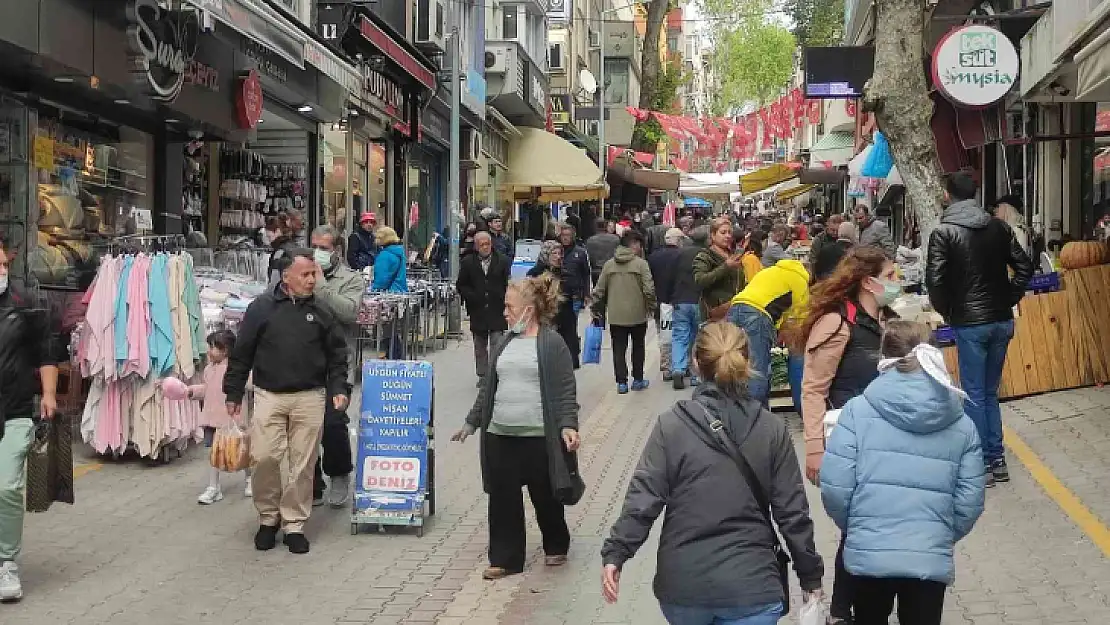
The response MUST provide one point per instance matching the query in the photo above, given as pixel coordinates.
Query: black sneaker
(999, 471)
(296, 542)
(266, 538)
(678, 381)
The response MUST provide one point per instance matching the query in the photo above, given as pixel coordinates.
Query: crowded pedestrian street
(136, 547)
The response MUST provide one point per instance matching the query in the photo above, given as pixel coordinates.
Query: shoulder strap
(732, 450)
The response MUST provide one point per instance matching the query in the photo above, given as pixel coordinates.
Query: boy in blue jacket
(903, 478)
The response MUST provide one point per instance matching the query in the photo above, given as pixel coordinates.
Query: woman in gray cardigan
(527, 411)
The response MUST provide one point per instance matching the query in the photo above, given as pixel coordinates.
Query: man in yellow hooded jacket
(776, 293)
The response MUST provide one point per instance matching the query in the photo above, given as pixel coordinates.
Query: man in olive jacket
(338, 289)
(625, 294)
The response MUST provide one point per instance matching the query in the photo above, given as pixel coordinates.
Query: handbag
(50, 465)
(732, 450)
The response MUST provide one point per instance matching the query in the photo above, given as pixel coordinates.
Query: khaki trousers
(286, 427)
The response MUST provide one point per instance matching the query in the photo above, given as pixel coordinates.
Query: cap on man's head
(673, 236)
(368, 218)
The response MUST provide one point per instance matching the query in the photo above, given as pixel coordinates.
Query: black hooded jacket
(26, 344)
(967, 272)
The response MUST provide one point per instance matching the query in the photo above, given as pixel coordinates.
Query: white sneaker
(339, 491)
(248, 491)
(10, 587)
(211, 495)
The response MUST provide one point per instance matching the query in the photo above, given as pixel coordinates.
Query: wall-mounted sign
(975, 65)
(560, 108)
(164, 43)
(268, 62)
(248, 100)
(202, 75)
(536, 87)
(620, 40)
(559, 10)
(386, 95)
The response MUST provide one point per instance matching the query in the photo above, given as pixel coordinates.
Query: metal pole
(602, 153)
(453, 184)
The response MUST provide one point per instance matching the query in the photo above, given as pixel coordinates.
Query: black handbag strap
(732, 450)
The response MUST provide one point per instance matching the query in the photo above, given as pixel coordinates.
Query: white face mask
(4, 284)
(323, 258)
(522, 324)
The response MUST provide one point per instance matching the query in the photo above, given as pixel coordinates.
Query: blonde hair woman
(719, 468)
(527, 410)
(390, 265)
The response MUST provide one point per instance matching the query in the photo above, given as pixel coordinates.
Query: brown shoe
(497, 572)
(554, 560)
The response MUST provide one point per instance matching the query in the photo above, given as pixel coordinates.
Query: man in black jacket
(483, 279)
(967, 274)
(663, 263)
(297, 351)
(576, 267)
(26, 348)
(600, 248)
(685, 296)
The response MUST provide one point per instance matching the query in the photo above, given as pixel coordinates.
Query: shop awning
(548, 168)
(792, 192)
(628, 167)
(765, 178)
(1093, 63)
(822, 176)
(834, 149)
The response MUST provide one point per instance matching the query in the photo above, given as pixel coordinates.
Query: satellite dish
(587, 81)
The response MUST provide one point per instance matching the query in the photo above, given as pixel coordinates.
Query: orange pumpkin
(1080, 254)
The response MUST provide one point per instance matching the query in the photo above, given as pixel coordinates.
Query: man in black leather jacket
(968, 276)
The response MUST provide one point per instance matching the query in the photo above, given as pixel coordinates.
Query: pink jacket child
(211, 392)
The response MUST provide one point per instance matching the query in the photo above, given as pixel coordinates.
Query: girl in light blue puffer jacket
(903, 478)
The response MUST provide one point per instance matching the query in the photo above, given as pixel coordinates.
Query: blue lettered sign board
(392, 457)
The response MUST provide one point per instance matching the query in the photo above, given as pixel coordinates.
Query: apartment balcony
(515, 85)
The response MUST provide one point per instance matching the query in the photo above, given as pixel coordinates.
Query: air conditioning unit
(470, 148)
(497, 61)
(431, 33)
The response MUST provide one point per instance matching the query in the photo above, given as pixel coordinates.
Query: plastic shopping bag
(230, 449)
(666, 317)
(591, 346)
(831, 417)
(812, 613)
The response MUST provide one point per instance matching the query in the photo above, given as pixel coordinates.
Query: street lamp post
(454, 179)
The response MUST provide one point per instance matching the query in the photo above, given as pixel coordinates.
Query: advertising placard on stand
(394, 460)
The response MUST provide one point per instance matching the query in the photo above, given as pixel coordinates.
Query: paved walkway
(138, 549)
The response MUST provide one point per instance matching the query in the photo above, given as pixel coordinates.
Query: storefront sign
(975, 65)
(248, 100)
(201, 75)
(560, 108)
(435, 123)
(559, 11)
(268, 62)
(537, 90)
(387, 95)
(260, 23)
(396, 52)
(392, 455)
(330, 65)
(164, 43)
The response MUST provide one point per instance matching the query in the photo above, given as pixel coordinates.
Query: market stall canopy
(765, 178)
(628, 167)
(791, 190)
(710, 183)
(834, 149)
(822, 176)
(550, 169)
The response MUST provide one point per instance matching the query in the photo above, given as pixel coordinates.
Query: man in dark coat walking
(483, 279)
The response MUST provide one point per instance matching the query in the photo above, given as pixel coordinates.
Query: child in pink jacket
(214, 413)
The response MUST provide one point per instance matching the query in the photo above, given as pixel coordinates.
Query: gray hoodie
(715, 549)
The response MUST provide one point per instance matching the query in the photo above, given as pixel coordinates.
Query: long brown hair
(860, 263)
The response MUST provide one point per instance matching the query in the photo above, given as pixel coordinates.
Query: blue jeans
(761, 338)
(795, 366)
(982, 351)
(684, 328)
(766, 614)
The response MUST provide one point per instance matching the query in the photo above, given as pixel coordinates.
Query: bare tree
(898, 94)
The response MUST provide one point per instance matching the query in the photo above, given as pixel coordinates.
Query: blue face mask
(521, 324)
(323, 258)
(892, 289)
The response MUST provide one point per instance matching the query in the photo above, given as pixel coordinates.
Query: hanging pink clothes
(138, 319)
(100, 351)
(109, 435)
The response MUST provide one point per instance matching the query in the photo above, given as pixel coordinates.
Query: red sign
(248, 100)
(398, 54)
(850, 107)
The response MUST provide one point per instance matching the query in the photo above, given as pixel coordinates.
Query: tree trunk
(650, 66)
(898, 94)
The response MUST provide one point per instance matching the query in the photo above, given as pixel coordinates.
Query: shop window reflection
(1100, 187)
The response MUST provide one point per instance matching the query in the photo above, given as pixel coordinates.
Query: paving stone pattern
(138, 549)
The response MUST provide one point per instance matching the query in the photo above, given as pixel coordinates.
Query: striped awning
(834, 149)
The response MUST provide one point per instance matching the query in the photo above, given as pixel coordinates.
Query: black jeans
(513, 462)
(335, 460)
(566, 324)
(620, 335)
(920, 602)
(844, 587)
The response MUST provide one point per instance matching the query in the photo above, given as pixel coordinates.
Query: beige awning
(762, 179)
(548, 168)
(1093, 65)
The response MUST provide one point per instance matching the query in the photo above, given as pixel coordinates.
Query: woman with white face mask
(527, 411)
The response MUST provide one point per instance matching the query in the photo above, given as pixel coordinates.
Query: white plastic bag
(666, 316)
(812, 613)
(831, 417)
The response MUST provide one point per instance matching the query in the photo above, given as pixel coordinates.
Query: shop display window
(336, 162)
(377, 189)
(1100, 187)
(93, 185)
(14, 172)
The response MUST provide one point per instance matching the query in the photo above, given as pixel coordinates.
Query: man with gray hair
(483, 280)
(339, 290)
(663, 263)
